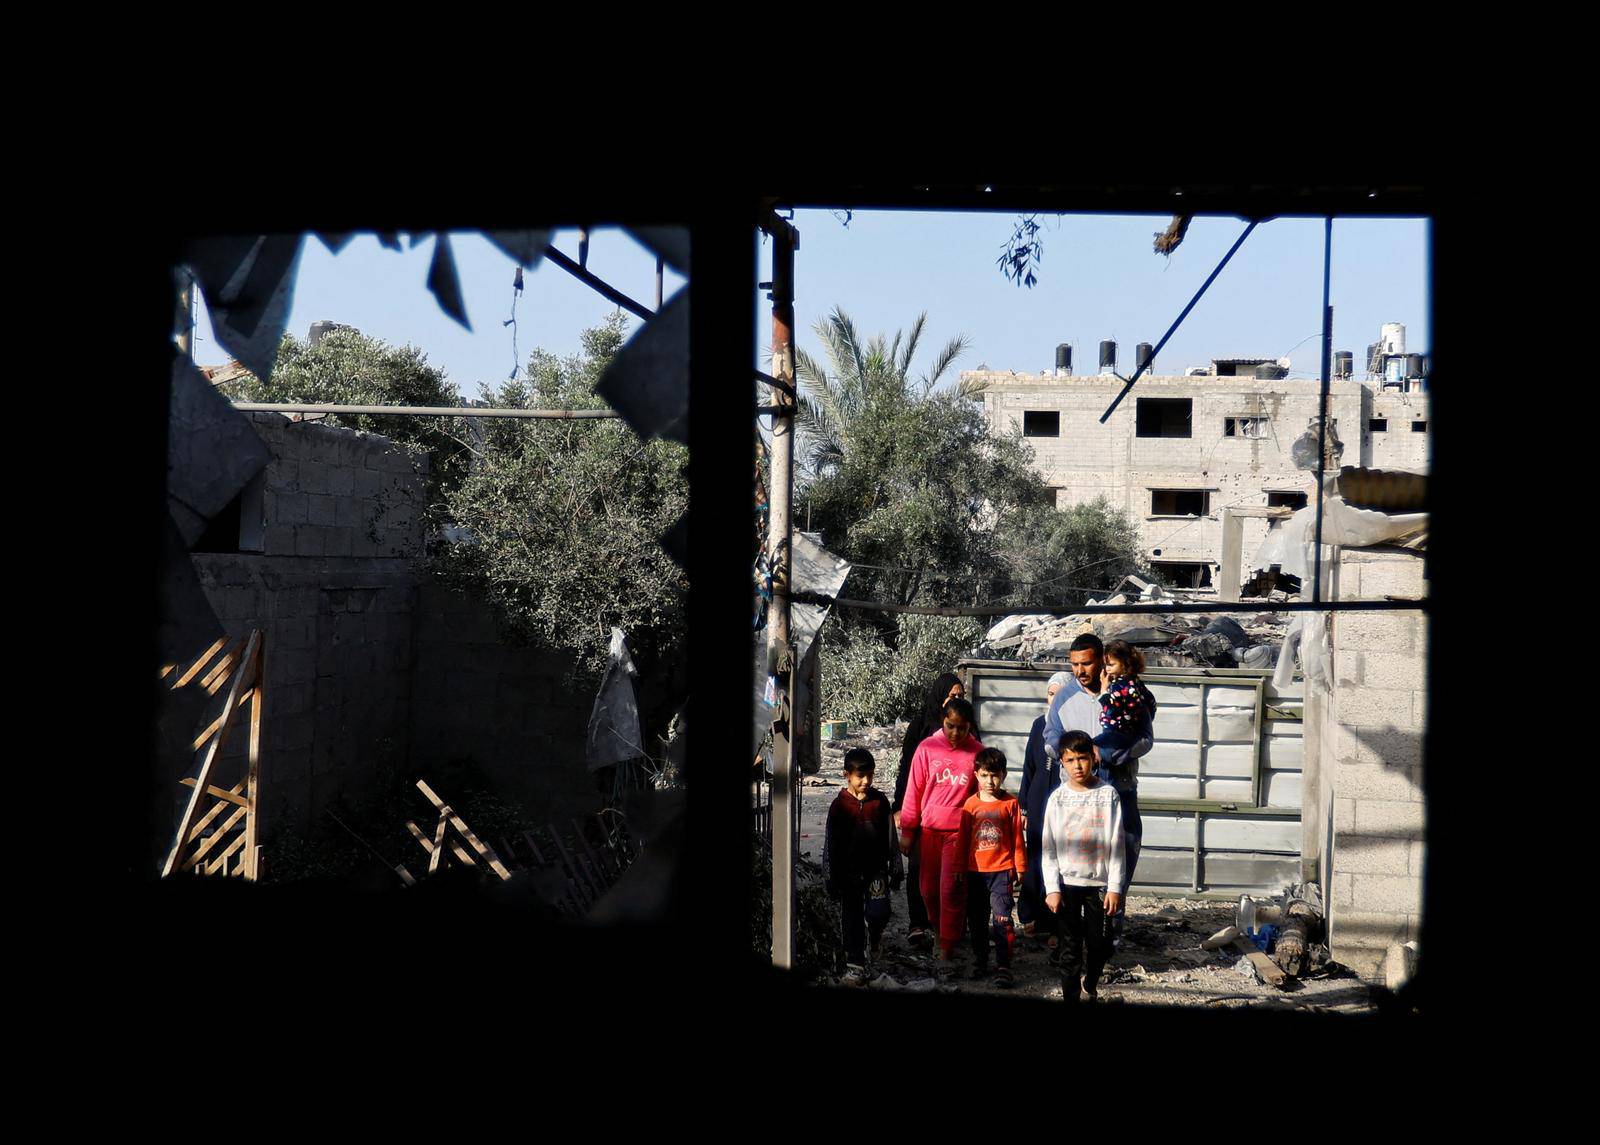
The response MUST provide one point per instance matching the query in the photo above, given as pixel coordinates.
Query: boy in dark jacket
(860, 861)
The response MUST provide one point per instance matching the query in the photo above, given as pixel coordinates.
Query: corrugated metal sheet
(1207, 740)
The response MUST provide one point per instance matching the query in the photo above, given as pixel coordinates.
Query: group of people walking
(1068, 841)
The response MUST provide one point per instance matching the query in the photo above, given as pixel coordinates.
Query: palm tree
(833, 405)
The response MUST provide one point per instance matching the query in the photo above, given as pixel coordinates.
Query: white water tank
(1393, 340)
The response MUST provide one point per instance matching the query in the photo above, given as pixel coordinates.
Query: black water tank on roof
(1142, 357)
(1343, 363)
(1108, 355)
(1064, 357)
(1413, 365)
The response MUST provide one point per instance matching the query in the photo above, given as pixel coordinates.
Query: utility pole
(780, 652)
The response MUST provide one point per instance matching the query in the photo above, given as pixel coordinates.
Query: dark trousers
(989, 915)
(916, 909)
(1030, 903)
(863, 911)
(1084, 939)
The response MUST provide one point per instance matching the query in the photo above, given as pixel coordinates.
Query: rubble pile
(1181, 640)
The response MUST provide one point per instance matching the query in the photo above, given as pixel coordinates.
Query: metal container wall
(1215, 823)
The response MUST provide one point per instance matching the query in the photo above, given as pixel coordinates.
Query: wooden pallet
(202, 844)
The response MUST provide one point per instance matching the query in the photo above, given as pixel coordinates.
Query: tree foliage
(559, 521)
(905, 479)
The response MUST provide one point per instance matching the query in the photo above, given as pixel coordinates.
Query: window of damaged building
(1180, 502)
(1041, 423)
(1164, 417)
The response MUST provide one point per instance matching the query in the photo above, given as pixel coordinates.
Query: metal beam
(1117, 609)
(780, 653)
(421, 411)
(600, 285)
(1204, 286)
(1322, 409)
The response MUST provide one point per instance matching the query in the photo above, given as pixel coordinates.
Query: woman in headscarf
(1041, 773)
(927, 720)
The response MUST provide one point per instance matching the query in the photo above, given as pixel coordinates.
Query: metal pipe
(661, 274)
(1322, 421)
(421, 411)
(1204, 286)
(600, 285)
(780, 653)
(1421, 605)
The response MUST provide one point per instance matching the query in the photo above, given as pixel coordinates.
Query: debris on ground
(1174, 952)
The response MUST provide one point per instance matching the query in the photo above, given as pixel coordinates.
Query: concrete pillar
(1232, 556)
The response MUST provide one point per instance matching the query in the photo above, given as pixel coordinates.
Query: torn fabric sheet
(648, 381)
(1290, 545)
(525, 248)
(813, 569)
(613, 734)
(670, 244)
(443, 282)
(248, 282)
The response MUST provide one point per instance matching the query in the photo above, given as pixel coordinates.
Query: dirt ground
(1160, 962)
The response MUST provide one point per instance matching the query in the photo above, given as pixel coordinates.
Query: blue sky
(1098, 279)
(384, 293)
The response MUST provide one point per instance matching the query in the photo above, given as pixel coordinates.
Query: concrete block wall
(1089, 460)
(1399, 446)
(335, 492)
(1369, 762)
(511, 712)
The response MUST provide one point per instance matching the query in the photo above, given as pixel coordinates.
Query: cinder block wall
(368, 667)
(1089, 460)
(511, 712)
(335, 592)
(1370, 762)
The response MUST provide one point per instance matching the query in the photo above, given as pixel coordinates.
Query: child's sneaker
(1002, 978)
(917, 938)
(854, 975)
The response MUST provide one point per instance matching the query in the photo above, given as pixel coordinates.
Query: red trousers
(944, 883)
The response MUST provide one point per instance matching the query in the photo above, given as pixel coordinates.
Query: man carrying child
(860, 862)
(991, 821)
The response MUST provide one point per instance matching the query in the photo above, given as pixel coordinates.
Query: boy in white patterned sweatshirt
(1081, 855)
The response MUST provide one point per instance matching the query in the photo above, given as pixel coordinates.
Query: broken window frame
(1205, 579)
(1281, 494)
(1245, 425)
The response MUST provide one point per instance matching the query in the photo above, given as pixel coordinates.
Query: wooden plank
(221, 668)
(1268, 970)
(216, 809)
(205, 658)
(427, 844)
(200, 740)
(253, 773)
(406, 876)
(594, 858)
(221, 861)
(231, 707)
(437, 853)
(213, 789)
(214, 838)
(572, 867)
(460, 825)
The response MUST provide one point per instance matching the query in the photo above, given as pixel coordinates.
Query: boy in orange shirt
(996, 855)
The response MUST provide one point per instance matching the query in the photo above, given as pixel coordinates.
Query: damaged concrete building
(1184, 447)
(370, 667)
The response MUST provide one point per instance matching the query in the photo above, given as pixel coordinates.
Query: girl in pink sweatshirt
(942, 778)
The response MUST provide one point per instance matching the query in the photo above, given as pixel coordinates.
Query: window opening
(1286, 499)
(1379, 425)
(1180, 502)
(1164, 417)
(1244, 427)
(1041, 423)
(1419, 427)
(1183, 574)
